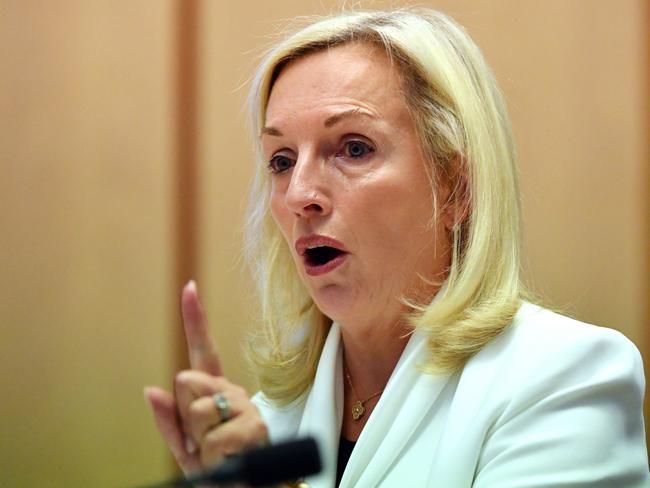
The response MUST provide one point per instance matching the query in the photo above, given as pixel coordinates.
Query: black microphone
(286, 461)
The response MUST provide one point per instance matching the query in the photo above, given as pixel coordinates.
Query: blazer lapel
(408, 397)
(322, 415)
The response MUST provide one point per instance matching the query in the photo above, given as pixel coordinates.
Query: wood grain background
(124, 162)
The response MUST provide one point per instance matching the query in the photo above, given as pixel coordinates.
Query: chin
(336, 302)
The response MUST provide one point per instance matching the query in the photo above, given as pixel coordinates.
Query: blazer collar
(407, 398)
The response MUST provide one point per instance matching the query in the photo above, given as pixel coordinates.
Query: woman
(384, 235)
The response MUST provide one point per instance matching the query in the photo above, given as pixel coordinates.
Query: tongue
(322, 255)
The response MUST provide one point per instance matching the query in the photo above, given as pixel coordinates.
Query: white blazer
(551, 402)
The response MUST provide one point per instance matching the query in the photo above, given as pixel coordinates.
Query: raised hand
(191, 420)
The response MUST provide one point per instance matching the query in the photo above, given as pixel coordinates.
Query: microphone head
(285, 461)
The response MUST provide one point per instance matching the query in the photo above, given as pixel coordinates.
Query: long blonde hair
(464, 129)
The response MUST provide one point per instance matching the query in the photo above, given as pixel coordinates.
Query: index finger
(200, 347)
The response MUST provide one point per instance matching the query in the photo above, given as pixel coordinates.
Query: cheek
(400, 206)
(396, 219)
(281, 215)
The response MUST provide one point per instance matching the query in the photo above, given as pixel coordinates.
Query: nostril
(311, 209)
(314, 206)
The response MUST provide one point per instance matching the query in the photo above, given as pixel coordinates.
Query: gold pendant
(357, 410)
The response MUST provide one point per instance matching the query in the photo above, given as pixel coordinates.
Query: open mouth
(321, 255)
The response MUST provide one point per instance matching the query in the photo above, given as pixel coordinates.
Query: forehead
(360, 74)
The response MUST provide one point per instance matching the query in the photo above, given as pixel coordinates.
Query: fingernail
(191, 285)
(190, 447)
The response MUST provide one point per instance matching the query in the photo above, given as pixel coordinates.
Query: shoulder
(542, 343)
(563, 398)
(543, 355)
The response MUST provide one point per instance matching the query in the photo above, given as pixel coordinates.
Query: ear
(456, 194)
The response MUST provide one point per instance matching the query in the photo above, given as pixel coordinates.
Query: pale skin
(346, 163)
(323, 109)
(188, 420)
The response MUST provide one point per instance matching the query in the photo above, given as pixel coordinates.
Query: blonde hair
(464, 129)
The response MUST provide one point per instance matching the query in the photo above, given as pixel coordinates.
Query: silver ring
(223, 407)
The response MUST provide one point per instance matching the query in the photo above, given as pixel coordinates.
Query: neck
(369, 362)
(374, 342)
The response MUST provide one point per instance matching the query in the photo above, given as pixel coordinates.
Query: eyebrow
(329, 122)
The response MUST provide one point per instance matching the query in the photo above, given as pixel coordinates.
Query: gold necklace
(358, 409)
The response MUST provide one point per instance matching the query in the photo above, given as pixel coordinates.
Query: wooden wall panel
(92, 206)
(85, 239)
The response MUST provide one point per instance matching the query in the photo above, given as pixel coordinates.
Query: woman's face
(350, 191)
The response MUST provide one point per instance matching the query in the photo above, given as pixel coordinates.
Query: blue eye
(279, 164)
(357, 149)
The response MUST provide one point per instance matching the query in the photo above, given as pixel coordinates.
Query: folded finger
(203, 416)
(205, 413)
(232, 437)
(190, 385)
(166, 419)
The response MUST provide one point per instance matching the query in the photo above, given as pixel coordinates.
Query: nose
(307, 195)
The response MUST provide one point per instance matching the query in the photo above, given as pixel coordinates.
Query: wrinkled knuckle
(210, 454)
(195, 410)
(230, 446)
(209, 445)
(261, 430)
(183, 378)
(217, 445)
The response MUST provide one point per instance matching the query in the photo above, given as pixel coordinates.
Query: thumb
(200, 346)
